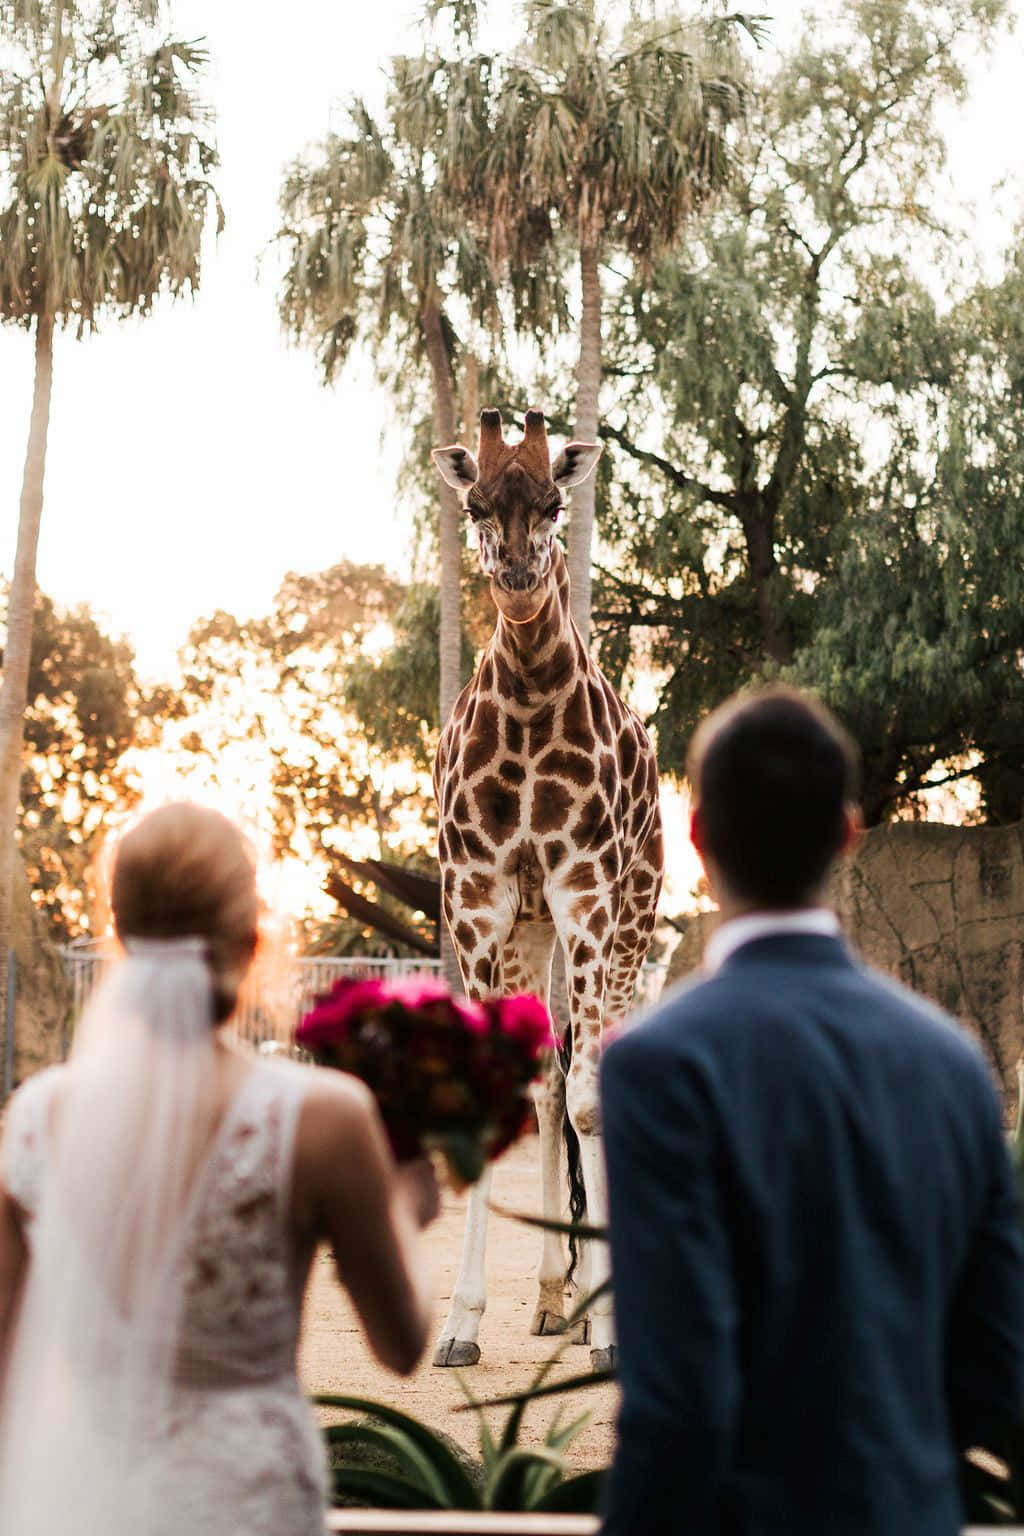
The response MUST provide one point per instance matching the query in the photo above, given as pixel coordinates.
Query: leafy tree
(833, 417)
(84, 714)
(303, 696)
(105, 159)
(606, 141)
(373, 253)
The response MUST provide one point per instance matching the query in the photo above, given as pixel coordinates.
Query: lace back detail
(241, 1317)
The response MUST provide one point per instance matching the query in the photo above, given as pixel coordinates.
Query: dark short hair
(772, 773)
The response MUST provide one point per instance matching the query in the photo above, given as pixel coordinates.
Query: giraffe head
(513, 493)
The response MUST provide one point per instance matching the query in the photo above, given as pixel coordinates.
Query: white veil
(87, 1389)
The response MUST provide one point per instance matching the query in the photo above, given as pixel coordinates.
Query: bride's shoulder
(25, 1131)
(322, 1094)
(30, 1101)
(337, 1113)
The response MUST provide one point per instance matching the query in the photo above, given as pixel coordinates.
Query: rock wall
(942, 909)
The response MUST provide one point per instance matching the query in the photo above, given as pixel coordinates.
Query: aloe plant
(421, 1470)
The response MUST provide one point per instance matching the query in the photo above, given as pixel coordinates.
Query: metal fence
(280, 993)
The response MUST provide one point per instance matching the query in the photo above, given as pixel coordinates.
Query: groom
(817, 1256)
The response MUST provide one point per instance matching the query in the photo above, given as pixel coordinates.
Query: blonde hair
(185, 870)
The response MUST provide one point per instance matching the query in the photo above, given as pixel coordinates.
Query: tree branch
(677, 477)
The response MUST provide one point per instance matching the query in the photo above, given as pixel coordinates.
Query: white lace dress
(243, 1456)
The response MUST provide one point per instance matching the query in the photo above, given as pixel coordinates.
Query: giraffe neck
(536, 661)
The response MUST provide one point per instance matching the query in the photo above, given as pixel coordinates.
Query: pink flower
(525, 1018)
(347, 1000)
(472, 1015)
(416, 992)
(444, 1070)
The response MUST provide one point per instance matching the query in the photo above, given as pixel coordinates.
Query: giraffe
(549, 828)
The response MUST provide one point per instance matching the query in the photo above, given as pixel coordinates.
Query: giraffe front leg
(478, 940)
(526, 967)
(457, 1341)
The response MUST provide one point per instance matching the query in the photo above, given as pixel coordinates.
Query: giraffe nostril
(518, 578)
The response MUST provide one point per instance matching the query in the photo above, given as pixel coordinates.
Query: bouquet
(447, 1074)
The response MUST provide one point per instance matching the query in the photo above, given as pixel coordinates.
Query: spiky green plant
(419, 1470)
(105, 162)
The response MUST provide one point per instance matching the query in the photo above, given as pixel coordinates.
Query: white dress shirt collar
(762, 925)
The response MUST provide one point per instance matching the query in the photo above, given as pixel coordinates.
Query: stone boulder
(940, 908)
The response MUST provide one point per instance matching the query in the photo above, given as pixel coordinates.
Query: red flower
(445, 1071)
(348, 999)
(526, 1019)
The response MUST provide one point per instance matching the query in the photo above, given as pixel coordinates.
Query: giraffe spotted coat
(549, 828)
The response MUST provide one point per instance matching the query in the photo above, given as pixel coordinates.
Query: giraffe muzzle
(518, 578)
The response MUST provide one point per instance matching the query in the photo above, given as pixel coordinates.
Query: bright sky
(195, 458)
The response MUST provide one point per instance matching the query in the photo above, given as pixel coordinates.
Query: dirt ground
(335, 1358)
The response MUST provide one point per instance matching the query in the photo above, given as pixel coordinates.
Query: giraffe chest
(531, 796)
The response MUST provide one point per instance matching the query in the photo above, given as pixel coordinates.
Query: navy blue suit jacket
(816, 1250)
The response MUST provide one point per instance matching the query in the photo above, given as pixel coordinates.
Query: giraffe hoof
(546, 1323)
(603, 1359)
(579, 1333)
(456, 1352)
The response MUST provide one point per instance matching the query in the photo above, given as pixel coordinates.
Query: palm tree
(610, 143)
(372, 254)
(105, 159)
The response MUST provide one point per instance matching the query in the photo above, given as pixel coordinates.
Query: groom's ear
(697, 830)
(853, 830)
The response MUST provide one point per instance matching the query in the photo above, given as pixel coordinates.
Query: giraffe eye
(475, 512)
(553, 512)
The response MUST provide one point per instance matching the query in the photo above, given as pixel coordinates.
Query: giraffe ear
(457, 465)
(574, 463)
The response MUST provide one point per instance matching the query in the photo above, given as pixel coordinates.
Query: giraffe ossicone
(549, 832)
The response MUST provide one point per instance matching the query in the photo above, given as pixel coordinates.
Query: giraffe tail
(577, 1192)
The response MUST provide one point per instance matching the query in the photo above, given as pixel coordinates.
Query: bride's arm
(370, 1211)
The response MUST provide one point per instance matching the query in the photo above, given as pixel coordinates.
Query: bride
(161, 1199)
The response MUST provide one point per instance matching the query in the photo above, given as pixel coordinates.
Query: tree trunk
(18, 646)
(470, 398)
(588, 386)
(450, 636)
(450, 641)
(758, 526)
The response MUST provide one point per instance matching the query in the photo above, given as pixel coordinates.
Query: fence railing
(280, 993)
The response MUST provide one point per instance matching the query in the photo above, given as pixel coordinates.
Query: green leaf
(414, 1463)
(553, 1389)
(580, 1495)
(506, 1489)
(377, 1489)
(465, 1153)
(557, 1439)
(570, 1228)
(584, 1304)
(488, 1449)
(460, 1490)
